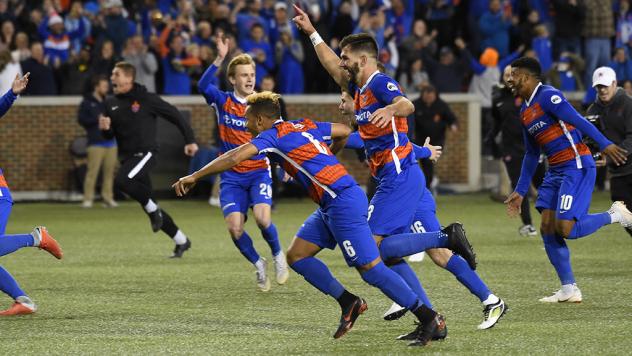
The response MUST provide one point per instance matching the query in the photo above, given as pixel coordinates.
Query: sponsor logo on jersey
(363, 117)
(231, 121)
(391, 86)
(538, 125)
(555, 99)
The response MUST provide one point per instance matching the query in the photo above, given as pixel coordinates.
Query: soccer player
(130, 117)
(381, 110)
(425, 220)
(10, 243)
(249, 184)
(340, 219)
(551, 125)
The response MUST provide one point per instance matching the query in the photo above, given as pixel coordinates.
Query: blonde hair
(241, 59)
(265, 103)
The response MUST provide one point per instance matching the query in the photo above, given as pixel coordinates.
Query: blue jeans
(597, 52)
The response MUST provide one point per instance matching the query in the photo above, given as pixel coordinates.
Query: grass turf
(115, 292)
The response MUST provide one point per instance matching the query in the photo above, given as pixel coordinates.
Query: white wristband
(316, 39)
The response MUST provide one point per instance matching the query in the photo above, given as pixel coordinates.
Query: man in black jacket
(612, 114)
(101, 152)
(130, 117)
(506, 114)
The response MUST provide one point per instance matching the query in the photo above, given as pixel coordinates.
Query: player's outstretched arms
(400, 106)
(339, 135)
(326, 55)
(222, 163)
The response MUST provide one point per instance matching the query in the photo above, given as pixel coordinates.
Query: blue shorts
(343, 222)
(425, 219)
(567, 192)
(393, 206)
(5, 211)
(237, 195)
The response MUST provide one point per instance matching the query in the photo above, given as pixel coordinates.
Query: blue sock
(560, 257)
(392, 285)
(408, 275)
(402, 245)
(272, 238)
(317, 274)
(464, 274)
(244, 244)
(12, 243)
(588, 224)
(9, 285)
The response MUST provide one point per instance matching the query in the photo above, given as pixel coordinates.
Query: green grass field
(115, 292)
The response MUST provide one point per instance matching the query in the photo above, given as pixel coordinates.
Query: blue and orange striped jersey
(552, 124)
(299, 146)
(4, 188)
(231, 123)
(388, 148)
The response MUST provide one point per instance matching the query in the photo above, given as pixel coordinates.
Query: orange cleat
(19, 308)
(48, 243)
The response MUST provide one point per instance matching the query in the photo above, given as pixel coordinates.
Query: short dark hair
(265, 103)
(127, 68)
(96, 80)
(529, 64)
(360, 42)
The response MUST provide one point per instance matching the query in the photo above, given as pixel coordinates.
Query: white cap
(55, 19)
(113, 3)
(280, 5)
(603, 76)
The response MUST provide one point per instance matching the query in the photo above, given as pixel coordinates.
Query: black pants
(514, 166)
(133, 179)
(621, 189)
(427, 166)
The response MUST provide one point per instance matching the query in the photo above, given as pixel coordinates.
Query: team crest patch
(555, 99)
(391, 86)
(135, 106)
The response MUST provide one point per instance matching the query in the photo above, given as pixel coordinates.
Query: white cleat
(263, 281)
(395, 312)
(280, 267)
(492, 313)
(528, 230)
(625, 216)
(418, 257)
(214, 201)
(575, 296)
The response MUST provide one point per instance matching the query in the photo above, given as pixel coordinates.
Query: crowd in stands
(455, 45)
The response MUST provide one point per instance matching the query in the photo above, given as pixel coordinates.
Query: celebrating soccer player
(552, 126)
(249, 184)
(11, 243)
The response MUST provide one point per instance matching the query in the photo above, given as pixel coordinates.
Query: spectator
(412, 45)
(400, 18)
(8, 70)
(388, 55)
(621, 64)
(439, 15)
(415, 78)
(244, 21)
(541, 44)
(5, 14)
(526, 29)
(268, 84)
(41, 72)
(259, 49)
(568, 21)
(57, 40)
(104, 63)
(113, 26)
(494, 27)
(372, 22)
(22, 50)
(433, 118)
(446, 74)
(101, 152)
(343, 23)
(7, 36)
(289, 57)
(203, 36)
(280, 23)
(565, 73)
(137, 54)
(74, 75)
(597, 29)
(627, 86)
(72, 24)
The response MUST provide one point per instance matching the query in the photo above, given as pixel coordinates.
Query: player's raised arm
(205, 84)
(222, 163)
(326, 55)
(401, 106)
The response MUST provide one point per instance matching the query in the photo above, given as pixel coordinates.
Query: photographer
(612, 114)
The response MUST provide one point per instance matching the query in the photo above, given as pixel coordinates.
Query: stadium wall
(35, 137)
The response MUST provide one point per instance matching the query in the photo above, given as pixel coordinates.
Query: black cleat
(179, 250)
(438, 335)
(155, 219)
(458, 243)
(349, 316)
(435, 330)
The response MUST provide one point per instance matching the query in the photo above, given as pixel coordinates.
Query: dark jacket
(506, 114)
(134, 115)
(41, 74)
(432, 121)
(614, 120)
(88, 117)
